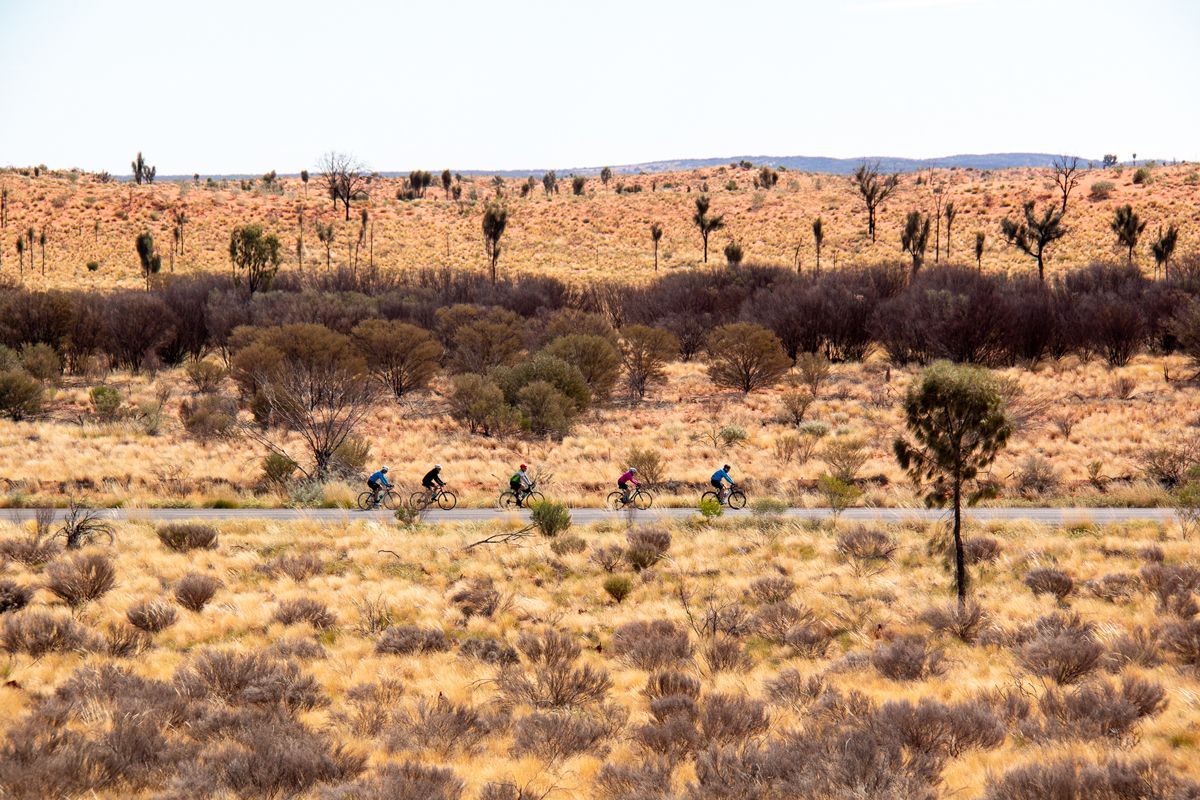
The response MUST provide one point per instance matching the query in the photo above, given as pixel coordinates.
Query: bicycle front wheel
(391, 501)
(364, 501)
(736, 500)
(447, 501)
(533, 498)
(615, 501)
(642, 500)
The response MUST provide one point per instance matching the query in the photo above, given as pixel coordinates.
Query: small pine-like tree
(1128, 228)
(914, 239)
(656, 234)
(1163, 248)
(495, 220)
(980, 241)
(818, 230)
(707, 224)
(1034, 234)
(148, 257)
(255, 257)
(606, 176)
(875, 189)
(949, 212)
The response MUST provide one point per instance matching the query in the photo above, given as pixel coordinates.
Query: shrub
(1036, 477)
(184, 536)
(710, 507)
(596, 358)
(566, 545)
(299, 567)
(608, 557)
(408, 639)
(791, 690)
(671, 684)
(41, 361)
(618, 587)
(1140, 647)
(490, 651)
(37, 632)
(106, 403)
(405, 781)
(725, 654)
(403, 357)
(772, 589)
(775, 620)
(556, 681)
(1142, 176)
(195, 590)
(1073, 778)
(247, 678)
(809, 640)
(205, 376)
(441, 726)
(1183, 639)
(21, 396)
(907, 658)
(648, 781)
(868, 548)
(478, 403)
(981, 549)
(651, 645)
(32, 551)
(305, 609)
(81, 578)
(1101, 190)
(565, 378)
(151, 616)
(650, 464)
(298, 649)
(544, 410)
(13, 596)
(731, 719)
(844, 456)
(278, 470)
(646, 547)
(478, 598)
(550, 518)
(1096, 711)
(645, 352)
(209, 417)
(1050, 581)
(1061, 648)
(964, 621)
(555, 735)
(122, 640)
(746, 356)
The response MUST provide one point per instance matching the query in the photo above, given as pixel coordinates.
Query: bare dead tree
(344, 179)
(1066, 177)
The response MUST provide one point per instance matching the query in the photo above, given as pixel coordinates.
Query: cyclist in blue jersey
(718, 481)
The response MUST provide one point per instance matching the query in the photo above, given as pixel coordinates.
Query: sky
(212, 86)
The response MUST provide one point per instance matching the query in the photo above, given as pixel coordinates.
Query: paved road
(583, 515)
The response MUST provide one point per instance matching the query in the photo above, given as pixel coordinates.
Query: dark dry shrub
(938, 730)
(651, 644)
(1183, 639)
(38, 632)
(669, 684)
(609, 557)
(184, 536)
(771, 589)
(489, 651)
(726, 654)
(368, 707)
(869, 549)
(32, 551)
(240, 678)
(305, 609)
(1050, 581)
(727, 620)
(809, 641)
(775, 620)
(792, 690)
(556, 681)
(672, 734)
(1139, 647)
(441, 726)
(1074, 779)
(981, 549)
(122, 640)
(13, 596)
(1168, 582)
(195, 590)
(209, 417)
(833, 706)
(1114, 587)
(1011, 705)
(299, 567)
(555, 735)
(1061, 648)
(81, 578)
(151, 616)
(646, 781)
(646, 547)
(299, 649)
(403, 640)
(907, 658)
(478, 598)
(732, 719)
(493, 790)
(1096, 711)
(567, 545)
(962, 620)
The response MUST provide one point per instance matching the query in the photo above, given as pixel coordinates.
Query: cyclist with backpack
(520, 485)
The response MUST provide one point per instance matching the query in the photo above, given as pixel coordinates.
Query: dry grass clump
(1183, 639)
(555, 735)
(298, 649)
(406, 781)
(38, 632)
(443, 727)
(908, 658)
(1050, 581)
(646, 547)
(868, 549)
(151, 616)
(403, 640)
(184, 536)
(964, 621)
(122, 640)
(195, 590)
(1117, 779)
(81, 578)
(771, 589)
(241, 678)
(552, 676)
(299, 567)
(32, 550)
(13, 596)
(790, 689)
(1140, 647)
(478, 598)
(305, 609)
(1096, 710)
(651, 644)
(489, 650)
(981, 549)
(1062, 648)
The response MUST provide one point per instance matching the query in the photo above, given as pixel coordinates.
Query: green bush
(205, 376)
(839, 494)
(9, 360)
(565, 378)
(93, 266)
(710, 507)
(21, 395)
(566, 545)
(209, 417)
(651, 466)
(595, 356)
(1101, 190)
(768, 505)
(42, 362)
(732, 435)
(545, 410)
(618, 587)
(106, 403)
(479, 404)
(278, 470)
(550, 518)
(350, 457)
(1143, 176)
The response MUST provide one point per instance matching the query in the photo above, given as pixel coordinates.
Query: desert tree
(21, 256)
(1163, 248)
(402, 357)
(179, 215)
(1110, 160)
(1128, 227)
(325, 235)
(447, 182)
(957, 424)
(1066, 177)
(304, 180)
(148, 257)
(645, 353)
(980, 241)
(746, 356)
(578, 183)
(142, 172)
(656, 234)
(767, 178)
(495, 220)
(42, 245)
(550, 182)
(300, 237)
(949, 212)
(1034, 234)
(914, 239)
(818, 230)
(707, 224)
(734, 253)
(363, 221)
(875, 189)
(344, 179)
(30, 238)
(419, 180)
(498, 184)
(606, 176)
(4, 207)
(254, 256)
(529, 187)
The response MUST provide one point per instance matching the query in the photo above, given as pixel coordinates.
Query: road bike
(387, 498)
(638, 498)
(734, 498)
(444, 499)
(529, 497)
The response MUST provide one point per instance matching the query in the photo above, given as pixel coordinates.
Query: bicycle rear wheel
(736, 500)
(447, 501)
(642, 500)
(418, 499)
(615, 501)
(364, 501)
(391, 501)
(507, 500)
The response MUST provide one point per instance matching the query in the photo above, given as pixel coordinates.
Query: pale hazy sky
(217, 86)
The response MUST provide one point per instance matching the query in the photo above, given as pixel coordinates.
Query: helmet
(727, 468)
(633, 469)
(437, 466)
(384, 469)
(523, 468)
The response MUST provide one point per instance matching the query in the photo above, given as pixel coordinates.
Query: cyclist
(378, 482)
(717, 481)
(624, 481)
(433, 481)
(520, 485)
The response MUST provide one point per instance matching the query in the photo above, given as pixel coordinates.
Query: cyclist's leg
(624, 487)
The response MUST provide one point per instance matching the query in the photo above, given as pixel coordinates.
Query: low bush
(554, 678)
(555, 735)
(651, 644)
(21, 395)
(81, 578)
(32, 550)
(963, 621)
(771, 589)
(646, 547)
(13, 596)
(1050, 581)
(37, 632)
(405, 640)
(567, 545)
(184, 536)
(1061, 648)
(608, 557)
(809, 641)
(299, 567)
(1096, 711)
(209, 417)
(1139, 647)
(195, 590)
(789, 689)
(305, 609)
(1072, 778)
(668, 683)
(441, 726)
(550, 518)
(248, 678)
(406, 781)
(1183, 639)
(205, 376)
(774, 621)
(151, 616)
(732, 719)
(478, 598)
(489, 651)
(618, 587)
(907, 658)
(867, 549)
(1101, 190)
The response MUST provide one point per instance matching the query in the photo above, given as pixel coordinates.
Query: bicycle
(639, 498)
(508, 498)
(734, 499)
(388, 498)
(445, 499)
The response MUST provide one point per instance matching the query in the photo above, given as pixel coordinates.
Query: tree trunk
(960, 569)
(656, 256)
(1041, 268)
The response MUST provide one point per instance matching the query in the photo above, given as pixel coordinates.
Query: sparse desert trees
(746, 356)
(1034, 234)
(419, 181)
(957, 420)
(180, 217)
(550, 182)
(578, 184)
(1066, 177)
(21, 256)
(875, 189)
(42, 245)
(767, 178)
(980, 241)
(148, 257)
(914, 239)
(447, 182)
(1128, 227)
(818, 229)
(645, 352)
(142, 172)
(254, 256)
(949, 212)
(707, 224)
(401, 356)
(606, 176)
(1163, 248)
(656, 233)
(344, 179)
(495, 220)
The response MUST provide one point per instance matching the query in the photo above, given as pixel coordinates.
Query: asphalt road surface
(584, 515)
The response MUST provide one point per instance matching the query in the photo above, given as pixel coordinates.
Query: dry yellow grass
(599, 234)
(543, 589)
